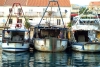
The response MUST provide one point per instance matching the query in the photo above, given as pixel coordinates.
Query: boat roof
(50, 27)
(89, 19)
(16, 30)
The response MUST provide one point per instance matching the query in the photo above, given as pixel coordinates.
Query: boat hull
(50, 44)
(86, 47)
(15, 47)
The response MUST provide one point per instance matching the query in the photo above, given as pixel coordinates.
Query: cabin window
(81, 36)
(7, 34)
(10, 21)
(58, 21)
(19, 21)
(17, 36)
(26, 35)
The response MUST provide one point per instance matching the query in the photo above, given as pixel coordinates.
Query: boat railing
(50, 37)
(86, 22)
(15, 41)
(9, 40)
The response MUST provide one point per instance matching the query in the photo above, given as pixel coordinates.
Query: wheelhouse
(87, 36)
(15, 36)
(44, 32)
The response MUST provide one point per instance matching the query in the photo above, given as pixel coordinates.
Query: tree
(27, 24)
(69, 24)
(84, 10)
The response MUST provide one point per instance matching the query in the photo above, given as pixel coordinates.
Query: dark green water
(44, 59)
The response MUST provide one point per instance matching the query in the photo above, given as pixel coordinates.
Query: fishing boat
(46, 35)
(16, 37)
(85, 34)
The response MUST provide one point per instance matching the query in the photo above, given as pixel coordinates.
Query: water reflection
(86, 59)
(44, 59)
(15, 59)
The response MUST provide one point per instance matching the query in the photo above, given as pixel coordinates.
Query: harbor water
(48, 59)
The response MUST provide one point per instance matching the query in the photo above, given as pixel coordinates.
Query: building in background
(94, 6)
(74, 10)
(34, 9)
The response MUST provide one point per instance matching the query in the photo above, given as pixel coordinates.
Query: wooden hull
(50, 44)
(86, 47)
(15, 47)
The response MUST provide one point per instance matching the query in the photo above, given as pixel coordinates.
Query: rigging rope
(46, 10)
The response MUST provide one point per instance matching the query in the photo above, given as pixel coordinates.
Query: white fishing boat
(85, 34)
(16, 37)
(46, 36)
(15, 40)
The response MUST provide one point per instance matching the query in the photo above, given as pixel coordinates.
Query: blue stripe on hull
(15, 49)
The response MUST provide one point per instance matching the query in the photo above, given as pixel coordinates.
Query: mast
(51, 1)
(18, 13)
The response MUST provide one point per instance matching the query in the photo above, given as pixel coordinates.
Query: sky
(81, 2)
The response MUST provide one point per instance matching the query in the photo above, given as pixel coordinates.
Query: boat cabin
(86, 30)
(87, 36)
(44, 32)
(15, 36)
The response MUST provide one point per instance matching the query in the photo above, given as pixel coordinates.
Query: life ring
(18, 25)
